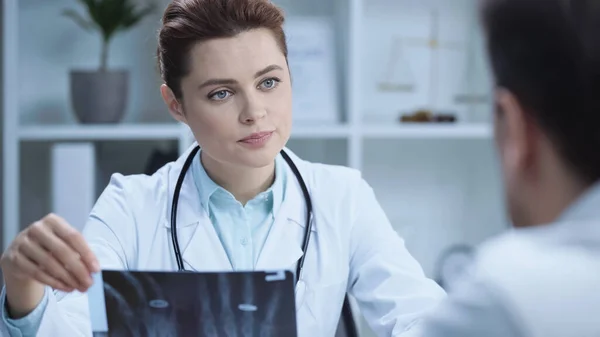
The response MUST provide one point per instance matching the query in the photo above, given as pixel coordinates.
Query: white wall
(438, 74)
(442, 191)
(51, 45)
(436, 193)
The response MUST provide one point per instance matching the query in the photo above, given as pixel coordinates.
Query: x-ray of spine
(219, 304)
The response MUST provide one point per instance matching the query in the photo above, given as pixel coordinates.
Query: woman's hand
(48, 252)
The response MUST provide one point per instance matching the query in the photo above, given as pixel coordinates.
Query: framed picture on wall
(311, 57)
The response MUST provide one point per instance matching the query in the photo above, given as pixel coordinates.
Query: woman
(240, 206)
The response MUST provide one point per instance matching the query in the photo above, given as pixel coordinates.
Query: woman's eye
(270, 83)
(220, 95)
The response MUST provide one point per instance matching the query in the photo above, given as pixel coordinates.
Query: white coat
(541, 281)
(353, 248)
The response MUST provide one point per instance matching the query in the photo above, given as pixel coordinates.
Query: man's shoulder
(544, 281)
(538, 253)
(507, 253)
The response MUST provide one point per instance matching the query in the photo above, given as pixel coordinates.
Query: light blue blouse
(242, 229)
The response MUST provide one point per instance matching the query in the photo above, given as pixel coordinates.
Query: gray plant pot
(99, 96)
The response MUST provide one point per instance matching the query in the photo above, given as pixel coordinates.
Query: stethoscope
(346, 311)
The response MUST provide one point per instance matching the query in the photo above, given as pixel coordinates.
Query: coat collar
(198, 238)
(585, 207)
(577, 225)
(211, 192)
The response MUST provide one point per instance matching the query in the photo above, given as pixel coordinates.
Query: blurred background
(399, 89)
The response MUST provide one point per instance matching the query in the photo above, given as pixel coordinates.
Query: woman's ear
(175, 108)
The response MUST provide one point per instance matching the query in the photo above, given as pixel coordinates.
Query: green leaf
(80, 20)
(135, 16)
(112, 16)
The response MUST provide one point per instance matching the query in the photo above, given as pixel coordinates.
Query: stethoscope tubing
(346, 309)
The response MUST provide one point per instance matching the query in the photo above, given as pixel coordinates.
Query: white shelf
(125, 132)
(174, 131)
(429, 131)
(101, 132)
(320, 131)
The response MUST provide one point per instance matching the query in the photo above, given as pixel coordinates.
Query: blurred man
(542, 279)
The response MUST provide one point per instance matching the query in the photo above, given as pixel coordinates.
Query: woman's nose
(253, 111)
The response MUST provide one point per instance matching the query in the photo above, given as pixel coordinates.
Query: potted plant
(100, 95)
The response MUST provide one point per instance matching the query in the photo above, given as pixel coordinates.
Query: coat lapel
(200, 245)
(201, 248)
(283, 246)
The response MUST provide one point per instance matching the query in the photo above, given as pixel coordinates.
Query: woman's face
(237, 99)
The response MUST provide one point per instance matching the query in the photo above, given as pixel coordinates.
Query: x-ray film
(173, 304)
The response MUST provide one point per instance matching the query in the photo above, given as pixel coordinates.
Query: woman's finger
(68, 258)
(30, 269)
(46, 262)
(75, 240)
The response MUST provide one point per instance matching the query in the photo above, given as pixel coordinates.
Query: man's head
(545, 56)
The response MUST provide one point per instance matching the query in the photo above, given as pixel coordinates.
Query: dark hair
(547, 53)
(188, 22)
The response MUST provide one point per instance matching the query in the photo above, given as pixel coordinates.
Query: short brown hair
(188, 22)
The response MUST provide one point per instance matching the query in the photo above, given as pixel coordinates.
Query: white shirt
(532, 282)
(353, 248)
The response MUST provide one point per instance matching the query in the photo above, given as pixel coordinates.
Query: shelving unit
(125, 132)
(425, 131)
(438, 183)
(120, 132)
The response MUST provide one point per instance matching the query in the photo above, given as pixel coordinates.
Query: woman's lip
(257, 142)
(256, 136)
